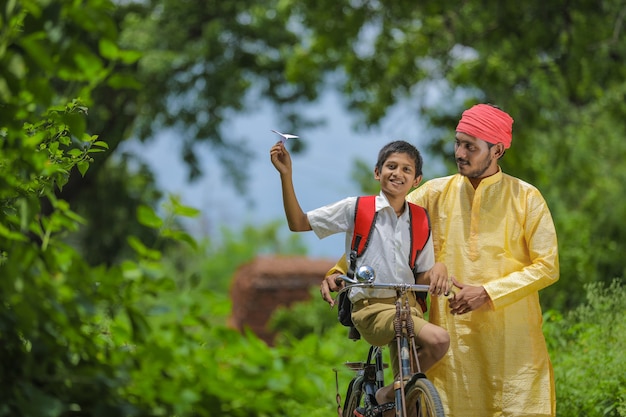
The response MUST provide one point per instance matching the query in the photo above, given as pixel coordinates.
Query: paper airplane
(285, 136)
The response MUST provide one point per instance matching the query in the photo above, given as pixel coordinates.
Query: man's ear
(498, 150)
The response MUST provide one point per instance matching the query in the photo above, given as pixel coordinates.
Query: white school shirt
(388, 249)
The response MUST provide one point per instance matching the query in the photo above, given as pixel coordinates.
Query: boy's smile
(397, 176)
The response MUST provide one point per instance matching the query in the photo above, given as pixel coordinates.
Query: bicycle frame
(410, 385)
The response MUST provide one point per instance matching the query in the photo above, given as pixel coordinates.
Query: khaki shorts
(373, 318)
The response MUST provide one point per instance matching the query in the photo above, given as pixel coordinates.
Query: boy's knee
(440, 342)
(443, 343)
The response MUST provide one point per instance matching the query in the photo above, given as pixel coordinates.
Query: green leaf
(108, 49)
(129, 57)
(148, 217)
(142, 249)
(119, 81)
(181, 236)
(11, 234)
(83, 166)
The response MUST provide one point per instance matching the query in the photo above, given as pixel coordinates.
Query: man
(496, 236)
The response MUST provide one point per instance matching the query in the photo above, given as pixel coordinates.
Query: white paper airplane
(285, 136)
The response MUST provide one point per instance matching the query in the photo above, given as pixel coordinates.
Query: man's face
(475, 159)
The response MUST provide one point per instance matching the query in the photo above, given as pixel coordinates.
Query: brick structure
(264, 284)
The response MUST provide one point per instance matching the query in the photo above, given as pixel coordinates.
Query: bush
(586, 347)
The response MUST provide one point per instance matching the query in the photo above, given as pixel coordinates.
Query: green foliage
(187, 350)
(586, 348)
(587, 207)
(203, 61)
(52, 52)
(318, 346)
(313, 318)
(35, 161)
(139, 338)
(125, 190)
(50, 324)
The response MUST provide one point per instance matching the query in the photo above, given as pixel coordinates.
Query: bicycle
(411, 386)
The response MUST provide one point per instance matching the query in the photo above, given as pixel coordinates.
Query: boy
(398, 169)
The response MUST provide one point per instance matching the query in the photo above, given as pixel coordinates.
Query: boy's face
(397, 176)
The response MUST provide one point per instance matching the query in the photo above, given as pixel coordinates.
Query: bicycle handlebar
(351, 283)
(366, 280)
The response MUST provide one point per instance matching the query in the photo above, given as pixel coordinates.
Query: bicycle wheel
(421, 392)
(353, 396)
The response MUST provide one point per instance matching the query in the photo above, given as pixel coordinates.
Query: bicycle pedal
(359, 412)
(371, 412)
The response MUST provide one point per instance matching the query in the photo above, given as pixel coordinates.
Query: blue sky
(321, 174)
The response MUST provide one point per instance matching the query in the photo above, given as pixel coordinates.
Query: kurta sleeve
(341, 267)
(542, 268)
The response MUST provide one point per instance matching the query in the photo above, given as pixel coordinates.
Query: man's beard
(474, 173)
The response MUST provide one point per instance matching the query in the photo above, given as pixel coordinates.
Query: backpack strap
(420, 231)
(364, 218)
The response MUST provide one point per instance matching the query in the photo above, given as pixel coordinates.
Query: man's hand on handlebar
(470, 298)
(330, 284)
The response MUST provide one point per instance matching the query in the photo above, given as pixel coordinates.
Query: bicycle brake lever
(345, 279)
(450, 293)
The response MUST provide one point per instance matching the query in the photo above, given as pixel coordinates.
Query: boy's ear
(417, 181)
(376, 173)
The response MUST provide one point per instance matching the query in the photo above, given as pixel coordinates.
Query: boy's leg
(387, 393)
(433, 344)
(374, 320)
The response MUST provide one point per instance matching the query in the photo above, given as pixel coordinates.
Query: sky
(321, 174)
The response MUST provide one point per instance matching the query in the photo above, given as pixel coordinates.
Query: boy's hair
(400, 146)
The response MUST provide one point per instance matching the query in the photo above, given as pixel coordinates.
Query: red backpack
(364, 218)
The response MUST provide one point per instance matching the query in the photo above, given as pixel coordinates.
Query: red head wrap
(488, 123)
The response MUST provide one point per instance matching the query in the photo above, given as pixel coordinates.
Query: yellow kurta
(500, 236)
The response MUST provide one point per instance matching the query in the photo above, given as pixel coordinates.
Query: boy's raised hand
(280, 158)
(296, 218)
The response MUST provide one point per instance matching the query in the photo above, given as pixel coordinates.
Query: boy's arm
(296, 218)
(437, 278)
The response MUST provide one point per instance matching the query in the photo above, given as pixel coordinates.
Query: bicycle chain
(378, 410)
